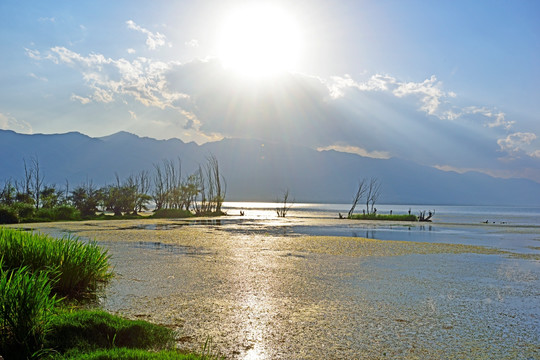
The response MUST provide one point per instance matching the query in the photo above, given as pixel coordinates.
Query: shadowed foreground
(261, 294)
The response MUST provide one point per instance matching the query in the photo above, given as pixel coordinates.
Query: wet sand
(263, 291)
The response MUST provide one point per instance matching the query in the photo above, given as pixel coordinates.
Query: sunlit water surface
(264, 287)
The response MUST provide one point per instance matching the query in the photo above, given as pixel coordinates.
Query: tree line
(30, 198)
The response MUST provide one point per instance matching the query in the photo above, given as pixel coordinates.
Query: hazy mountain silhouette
(255, 170)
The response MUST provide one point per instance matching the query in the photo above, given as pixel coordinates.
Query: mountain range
(256, 170)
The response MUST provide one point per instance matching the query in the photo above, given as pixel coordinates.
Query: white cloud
(153, 40)
(81, 99)
(132, 115)
(33, 54)
(192, 43)
(47, 19)
(495, 118)
(8, 122)
(40, 78)
(357, 150)
(516, 143)
(131, 51)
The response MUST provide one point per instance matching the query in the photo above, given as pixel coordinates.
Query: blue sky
(450, 84)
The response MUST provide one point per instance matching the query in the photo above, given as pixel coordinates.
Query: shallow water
(263, 289)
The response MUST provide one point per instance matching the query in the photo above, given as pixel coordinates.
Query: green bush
(25, 311)
(78, 267)
(172, 213)
(8, 215)
(24, 210)
(66, 212)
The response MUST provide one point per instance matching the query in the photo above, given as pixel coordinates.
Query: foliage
(78, 267)
(172, 213)
(25, 311)
(373, 216)
(89, 330)
(85, 199)
(8, 215)
(24, 210)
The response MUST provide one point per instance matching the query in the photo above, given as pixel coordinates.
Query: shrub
(78, 267)
(24, 210)
(172, 213)
(25, 311)
(66, 212)
(8, 215)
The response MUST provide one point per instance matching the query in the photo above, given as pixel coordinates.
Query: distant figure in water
(363, 212)
(390, 212)
(340, 216)
(485, 222)
(409, 211)
(241, 212)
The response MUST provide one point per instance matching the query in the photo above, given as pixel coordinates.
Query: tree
(373, 193)
(37, 181)
(284, 209)
(86, 199)
(359, 193)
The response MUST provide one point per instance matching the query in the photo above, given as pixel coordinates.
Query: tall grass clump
(76, 267)
(26, 305)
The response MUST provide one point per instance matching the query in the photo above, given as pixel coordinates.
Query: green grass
(132, 354)
(26, 306)
(77, 268)
(384, 217)
(90, 330)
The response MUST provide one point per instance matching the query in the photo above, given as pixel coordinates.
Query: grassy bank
(42, 279)
(384, 217)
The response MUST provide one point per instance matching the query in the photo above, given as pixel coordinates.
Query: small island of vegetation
(370, 192)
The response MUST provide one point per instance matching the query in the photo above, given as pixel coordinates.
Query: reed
(26, 305)
(76, 268)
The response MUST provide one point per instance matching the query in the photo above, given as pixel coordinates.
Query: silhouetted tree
(359, 193)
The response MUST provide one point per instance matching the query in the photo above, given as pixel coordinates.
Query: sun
(259, 40)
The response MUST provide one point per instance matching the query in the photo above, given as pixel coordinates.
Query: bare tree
(37, 180)
(359, 193)
(284, 209)
(373, 193)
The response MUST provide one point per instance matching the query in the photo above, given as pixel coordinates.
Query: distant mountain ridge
(255, 170)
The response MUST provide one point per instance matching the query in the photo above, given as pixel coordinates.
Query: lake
(306, 287)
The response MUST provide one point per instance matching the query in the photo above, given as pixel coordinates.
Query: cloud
(131, 51)
(132, 114)
(516, 143)
(47, 19)
(81, 99)
(494, 118)
(419, 121)
(192, 43)
(153, 40)
(40, 78)
(109, 79)
(8, 122)
(357, 150)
